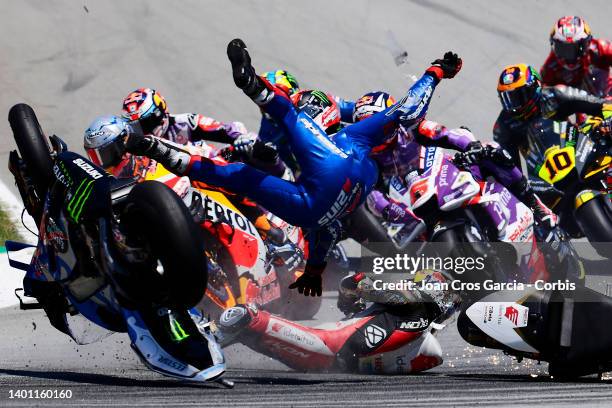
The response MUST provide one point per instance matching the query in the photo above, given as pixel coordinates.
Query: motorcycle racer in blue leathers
(336, 175)
(274, 133)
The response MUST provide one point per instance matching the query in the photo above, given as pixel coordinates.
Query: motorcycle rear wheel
(157, 219)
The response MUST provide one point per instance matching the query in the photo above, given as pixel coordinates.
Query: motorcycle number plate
(558, 163)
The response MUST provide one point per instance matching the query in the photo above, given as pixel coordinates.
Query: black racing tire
(595, 220)
(34, 147)
(456, 242)
(365, 228)
(158, 219)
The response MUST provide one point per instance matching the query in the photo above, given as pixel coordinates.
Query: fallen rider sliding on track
(395, 335)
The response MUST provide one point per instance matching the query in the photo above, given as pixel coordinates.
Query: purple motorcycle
(465, 212)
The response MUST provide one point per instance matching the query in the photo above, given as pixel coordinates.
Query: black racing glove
(311, 282)
(137, 143)
(446, 67)
(474, 152)
(542, 215)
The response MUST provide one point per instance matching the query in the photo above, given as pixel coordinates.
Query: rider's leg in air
(325, 169)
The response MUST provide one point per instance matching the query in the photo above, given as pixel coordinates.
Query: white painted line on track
(11, 278)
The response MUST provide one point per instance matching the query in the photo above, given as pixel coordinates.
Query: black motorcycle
(125, 256)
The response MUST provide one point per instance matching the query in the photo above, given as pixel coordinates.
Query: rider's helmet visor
(108, 155)
(514, 100)
(569, 52)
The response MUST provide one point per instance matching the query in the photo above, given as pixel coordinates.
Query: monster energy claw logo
(177, 331)
(80, 197)
(321, 96)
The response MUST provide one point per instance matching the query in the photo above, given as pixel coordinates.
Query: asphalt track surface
(74, 60)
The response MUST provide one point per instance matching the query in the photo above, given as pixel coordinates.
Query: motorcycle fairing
(443, 180)
(591, 159)
(238, 234)
(565, 327)
(462, 188)
(54, 262)
(157, 359)
(512, 218)
(499, 320)
(257, 279)
(87, 187)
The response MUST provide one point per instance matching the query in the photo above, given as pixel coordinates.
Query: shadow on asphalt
(527, 378)
(103, 379)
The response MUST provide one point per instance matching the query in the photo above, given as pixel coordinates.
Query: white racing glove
(235, 129)
(244, 144)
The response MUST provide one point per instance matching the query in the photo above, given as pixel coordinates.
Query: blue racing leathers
(336, 171)
(271, 132)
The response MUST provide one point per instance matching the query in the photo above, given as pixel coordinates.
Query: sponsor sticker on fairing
(176, 365)
(443, 176)
(88, 168)
(216, 212)
(512, 314)
(499, 320)
(500, 313)
(56, 236)
(61, 176)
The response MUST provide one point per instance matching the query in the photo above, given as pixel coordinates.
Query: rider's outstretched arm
(320, 243)
(559, 102)
(376, 129)
(409, 110)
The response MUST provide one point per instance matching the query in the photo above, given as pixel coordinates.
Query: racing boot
(171, 156)
(170, 342)
(244, 74)
(232, 322)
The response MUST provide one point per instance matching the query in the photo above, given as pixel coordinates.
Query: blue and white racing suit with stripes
(337, 173)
